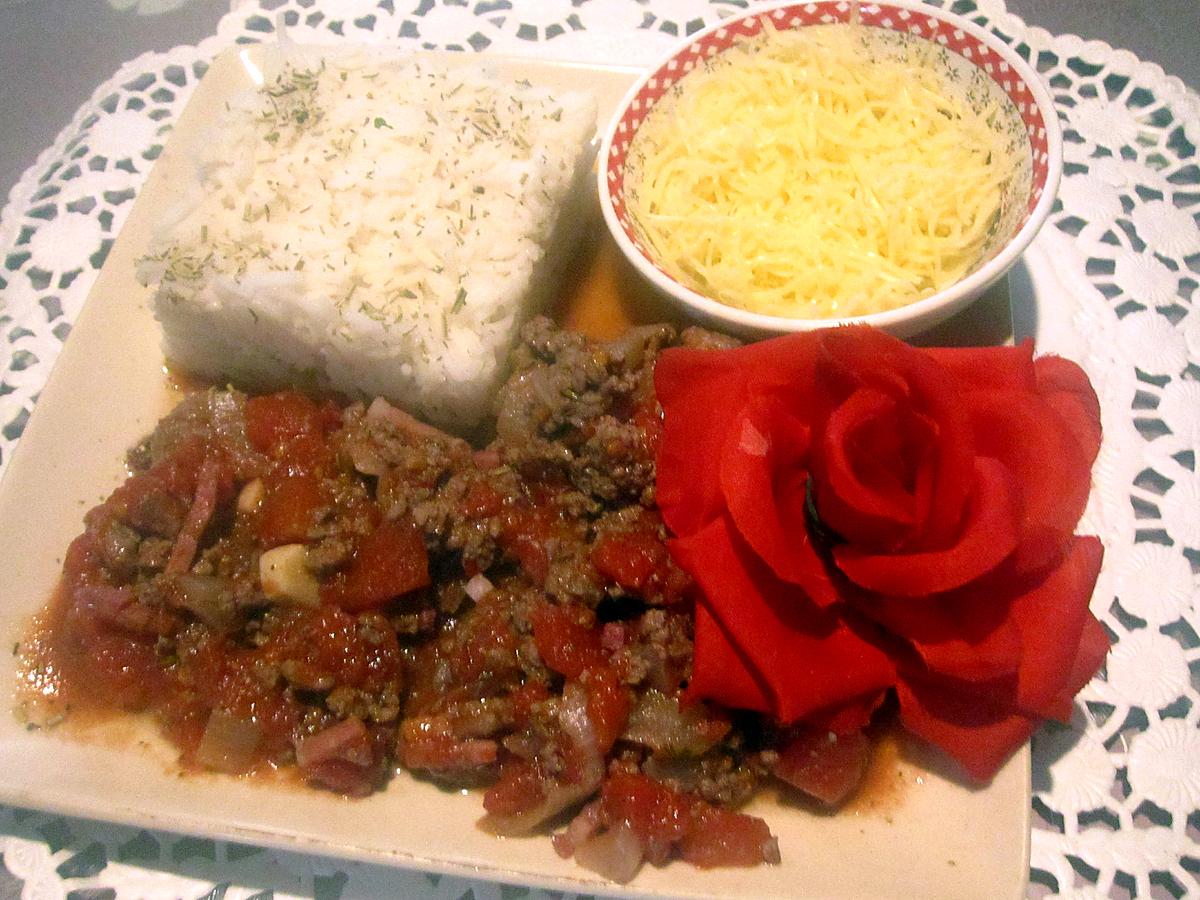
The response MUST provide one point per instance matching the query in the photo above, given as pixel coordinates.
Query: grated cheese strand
(819, 174)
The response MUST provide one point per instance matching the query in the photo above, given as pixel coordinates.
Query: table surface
(54, 52)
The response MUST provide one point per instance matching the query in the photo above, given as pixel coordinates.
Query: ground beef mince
(284, 582)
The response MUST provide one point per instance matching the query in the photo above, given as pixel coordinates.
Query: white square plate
(916, 832)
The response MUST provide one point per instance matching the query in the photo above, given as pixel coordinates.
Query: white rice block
(377, 227)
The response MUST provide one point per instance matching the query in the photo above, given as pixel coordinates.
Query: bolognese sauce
(286, 582)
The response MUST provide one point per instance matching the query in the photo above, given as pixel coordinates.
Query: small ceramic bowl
(975, 61)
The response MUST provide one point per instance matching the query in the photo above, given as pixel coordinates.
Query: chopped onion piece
(577, 725)
(662, 724)
(477, 587)
(285, 577)
(586, 823)
(558, 798)
(250, 496)
(616, 854)
(382, 411)
(207, 597)
(366, 459)
(228, 743)
(770, 851)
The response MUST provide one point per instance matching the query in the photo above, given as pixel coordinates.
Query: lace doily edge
(19, 196)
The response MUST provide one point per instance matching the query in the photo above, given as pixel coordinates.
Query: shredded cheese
(819, 173)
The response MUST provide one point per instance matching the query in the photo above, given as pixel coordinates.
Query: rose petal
(1010, 368)
(975, 727)
(862, 497)
(966, 634)
(700, 393)
(988, 535)
(1062, 644)
(764, 483)
(1051, 467)
(1050, 653)
(808, 658)
(848, 718)
(725, 675)
(1094, 645)
(1067, 390)
(858, 356)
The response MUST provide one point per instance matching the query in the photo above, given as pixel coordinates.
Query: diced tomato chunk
(289, 507)
(632, 559)
(524, 698)
(482, 500)
(491, 642)
(568, 644)
(124, 672)
(658, 816)
(824, 765)
(648, 417)
(391, 561)
(608, 704)
(719, 837)
(524, 534)
(276, 422)
(663, 820)
(521, 788)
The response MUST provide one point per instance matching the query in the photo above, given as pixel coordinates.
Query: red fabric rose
(862, 515)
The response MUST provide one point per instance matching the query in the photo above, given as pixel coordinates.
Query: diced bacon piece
(342, 758)
(488, 458)
(613, 636)
(330, 742)
(429, 744)
(204, 503)
(586, 823)
(119, 609)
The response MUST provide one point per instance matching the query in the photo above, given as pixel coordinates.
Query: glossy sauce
(887, 780)
(605, 295)
(44, 699)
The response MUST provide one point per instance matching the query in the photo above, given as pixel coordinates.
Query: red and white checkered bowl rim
(979, 47)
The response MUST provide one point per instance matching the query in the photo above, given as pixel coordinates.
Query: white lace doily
(1110, 282)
